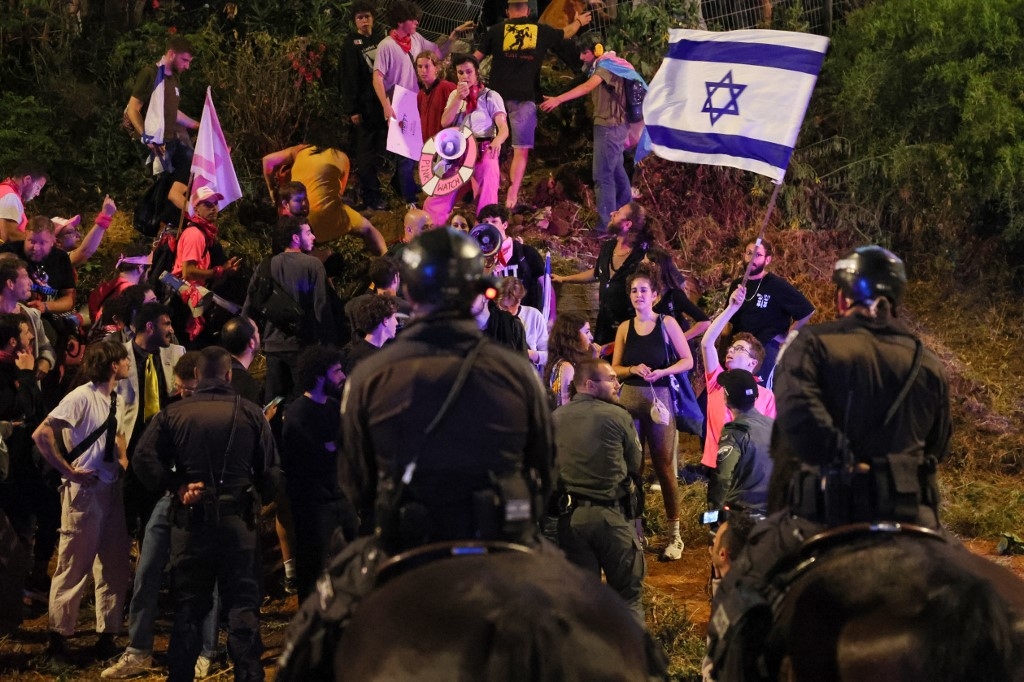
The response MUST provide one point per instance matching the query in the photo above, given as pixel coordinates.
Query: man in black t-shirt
(772, 309)
(49, 268)
(310, 455)
(518, 47)
(361, 103)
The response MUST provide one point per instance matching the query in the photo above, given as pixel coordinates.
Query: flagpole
(760, 234)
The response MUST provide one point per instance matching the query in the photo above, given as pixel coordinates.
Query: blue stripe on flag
(753, 54)
(730, 145)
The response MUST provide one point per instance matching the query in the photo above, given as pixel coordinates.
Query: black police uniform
(499, 424)
(224, 441)
(834, 386)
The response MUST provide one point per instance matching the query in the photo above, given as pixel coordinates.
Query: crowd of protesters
(160, 434)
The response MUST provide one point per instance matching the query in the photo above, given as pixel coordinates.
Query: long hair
(671, 278)
(564, 342)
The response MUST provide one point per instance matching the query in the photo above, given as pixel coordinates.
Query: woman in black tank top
(641, 361)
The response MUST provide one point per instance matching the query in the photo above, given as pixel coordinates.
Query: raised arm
(707, 343)
(273, 161)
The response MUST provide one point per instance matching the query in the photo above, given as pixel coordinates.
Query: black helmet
(869, 272)
(442, 267)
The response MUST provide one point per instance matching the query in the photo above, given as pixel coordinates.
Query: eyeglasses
(739, 348)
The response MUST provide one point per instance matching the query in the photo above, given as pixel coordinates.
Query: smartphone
(273, 403)
(709, 517)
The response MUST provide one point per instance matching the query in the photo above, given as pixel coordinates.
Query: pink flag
(211, 164)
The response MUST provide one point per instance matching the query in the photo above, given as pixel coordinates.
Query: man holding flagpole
(163, 126)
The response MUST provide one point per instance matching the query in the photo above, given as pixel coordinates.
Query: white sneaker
(203, 665)
(129, 665)
(674, 551)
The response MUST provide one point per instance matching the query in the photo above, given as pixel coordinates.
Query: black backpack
(151, 205)
(271, 303)
(635, 93)
(163, 259)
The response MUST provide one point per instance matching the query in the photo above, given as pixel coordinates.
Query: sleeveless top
(647, 350)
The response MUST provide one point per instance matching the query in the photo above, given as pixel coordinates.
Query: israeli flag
(154, 124)
(733, 98)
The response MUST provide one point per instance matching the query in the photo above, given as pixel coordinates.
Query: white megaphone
(447, 161)
(450, 144)
(206, 297)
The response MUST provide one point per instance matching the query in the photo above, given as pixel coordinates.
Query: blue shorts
(522, 123)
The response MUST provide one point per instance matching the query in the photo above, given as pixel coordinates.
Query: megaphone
(450, 144)
(488, 237)
(197, 305)
(447, 161)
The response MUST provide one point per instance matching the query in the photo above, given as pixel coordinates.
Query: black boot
(57, 650)
(105, 647)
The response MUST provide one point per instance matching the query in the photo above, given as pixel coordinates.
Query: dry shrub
(670, 624)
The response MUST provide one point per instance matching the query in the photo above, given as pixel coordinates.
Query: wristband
(218, 272)
(103, 221)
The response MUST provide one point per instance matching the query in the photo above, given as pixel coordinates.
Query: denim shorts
(522, 123)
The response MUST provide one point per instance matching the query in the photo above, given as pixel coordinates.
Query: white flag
(736, 98)
(211, 164)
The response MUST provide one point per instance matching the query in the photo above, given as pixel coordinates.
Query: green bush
(924, 98)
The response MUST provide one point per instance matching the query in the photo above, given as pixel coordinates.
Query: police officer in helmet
(443, 423)
(863, 403)
(863, 418)
(447, 438)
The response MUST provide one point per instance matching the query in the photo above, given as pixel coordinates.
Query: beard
(332, 390)
(757, 271)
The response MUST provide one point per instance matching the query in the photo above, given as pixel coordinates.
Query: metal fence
(818, 16)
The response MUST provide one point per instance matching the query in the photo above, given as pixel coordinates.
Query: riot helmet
(443, 268)
(870, 272)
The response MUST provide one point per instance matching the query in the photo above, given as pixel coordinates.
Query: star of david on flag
(733, 98)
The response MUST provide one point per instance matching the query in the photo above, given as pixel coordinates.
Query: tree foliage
(920, 109)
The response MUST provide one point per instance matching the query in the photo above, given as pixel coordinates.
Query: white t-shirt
(481, 121)
(11, 207)
(536, 332)
(84, 409)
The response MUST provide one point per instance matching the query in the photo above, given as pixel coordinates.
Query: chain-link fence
(441, 16)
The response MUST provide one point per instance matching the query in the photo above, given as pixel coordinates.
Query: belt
(578, 500)
(482, 140)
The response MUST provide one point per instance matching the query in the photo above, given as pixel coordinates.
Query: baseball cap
(740, 388)
(207, 194)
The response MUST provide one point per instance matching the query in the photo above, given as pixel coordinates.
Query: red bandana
(404, 42)
(474, 92)
(208, 229)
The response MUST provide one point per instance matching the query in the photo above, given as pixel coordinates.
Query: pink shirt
(718, 416)
(192, 247)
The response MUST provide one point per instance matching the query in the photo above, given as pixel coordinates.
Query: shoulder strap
(86, 442)
(453, 393)
(670, 352)
(915, 368)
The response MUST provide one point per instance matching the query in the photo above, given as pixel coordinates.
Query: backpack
(636, 91)
(151, 205)
(272, 303)
(163, 259)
